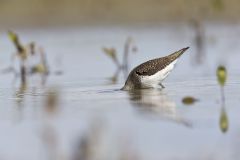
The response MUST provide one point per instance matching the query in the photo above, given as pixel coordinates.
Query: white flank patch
(154, 80)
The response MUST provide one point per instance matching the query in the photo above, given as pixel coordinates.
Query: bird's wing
(153, 66)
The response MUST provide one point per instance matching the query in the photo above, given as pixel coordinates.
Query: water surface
(150, 124)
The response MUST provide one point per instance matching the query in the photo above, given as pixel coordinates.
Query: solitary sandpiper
(150, 74)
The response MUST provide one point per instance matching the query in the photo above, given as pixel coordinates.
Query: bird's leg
(161, 85)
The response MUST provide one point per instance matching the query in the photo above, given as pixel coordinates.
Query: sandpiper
(151, 73)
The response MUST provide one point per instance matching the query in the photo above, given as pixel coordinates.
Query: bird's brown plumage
(151, 67)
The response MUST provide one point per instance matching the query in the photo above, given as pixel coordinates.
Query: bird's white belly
(154, 80)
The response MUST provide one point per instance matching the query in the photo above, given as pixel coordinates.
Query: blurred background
(62, 63)
(57, 13)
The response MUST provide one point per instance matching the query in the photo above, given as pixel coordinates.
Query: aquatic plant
(42, 67)
(21, 50)
(221, 75)
(124, 66)
(111, 52)
(25, 54)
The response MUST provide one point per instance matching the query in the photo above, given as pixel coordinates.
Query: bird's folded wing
(153, 66)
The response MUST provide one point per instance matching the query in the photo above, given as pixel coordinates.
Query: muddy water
(147, 124)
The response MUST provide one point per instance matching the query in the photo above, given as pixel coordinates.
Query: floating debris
(189, 100)
(221, 75)
(224, 124)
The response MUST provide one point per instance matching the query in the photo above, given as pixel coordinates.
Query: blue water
(150, 124)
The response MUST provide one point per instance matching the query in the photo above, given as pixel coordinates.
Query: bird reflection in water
(156, 103)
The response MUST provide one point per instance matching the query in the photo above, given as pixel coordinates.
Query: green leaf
(221, 75)
(13, 36)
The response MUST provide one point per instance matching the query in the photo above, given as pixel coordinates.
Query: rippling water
(150, 124)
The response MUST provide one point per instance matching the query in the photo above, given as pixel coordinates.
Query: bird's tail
(177, 54)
